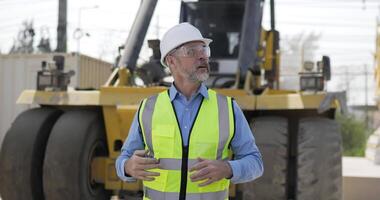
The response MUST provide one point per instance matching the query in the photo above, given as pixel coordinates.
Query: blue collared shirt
(247, 164)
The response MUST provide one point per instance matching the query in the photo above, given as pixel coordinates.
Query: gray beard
(199, 78)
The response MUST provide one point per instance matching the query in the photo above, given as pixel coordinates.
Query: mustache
(204, 64)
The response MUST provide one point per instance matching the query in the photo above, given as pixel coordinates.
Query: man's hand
(137, 165)
(210, 170)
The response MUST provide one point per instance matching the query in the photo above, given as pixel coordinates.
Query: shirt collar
(173, 92)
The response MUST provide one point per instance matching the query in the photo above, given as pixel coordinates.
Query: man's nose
(203, 58)
(202, 55)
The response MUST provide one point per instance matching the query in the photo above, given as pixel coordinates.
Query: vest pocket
(205, 150)
(193, 187)
(159, 182)
(163, 141)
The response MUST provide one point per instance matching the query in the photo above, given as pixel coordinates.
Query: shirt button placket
(188, 115)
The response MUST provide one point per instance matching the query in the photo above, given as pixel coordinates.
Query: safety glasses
(193, 51)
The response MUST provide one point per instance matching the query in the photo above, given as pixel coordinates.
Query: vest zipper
(185, 156)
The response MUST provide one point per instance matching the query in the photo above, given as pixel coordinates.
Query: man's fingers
(208, 182)
(199, 166)
(146, 161)
(199, 178)
(150, 166)
(145, 178)
(200, 175)
(146, 173)
(140, 153)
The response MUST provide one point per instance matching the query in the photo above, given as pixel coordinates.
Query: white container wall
(19, 72)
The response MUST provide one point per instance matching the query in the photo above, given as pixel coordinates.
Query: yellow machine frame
(119, 105)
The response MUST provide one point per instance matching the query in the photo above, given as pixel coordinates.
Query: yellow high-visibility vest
(209, 138)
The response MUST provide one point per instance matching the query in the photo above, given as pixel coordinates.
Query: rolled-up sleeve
(247, 164)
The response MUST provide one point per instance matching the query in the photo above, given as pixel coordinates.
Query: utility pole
(79, 33)
(347, 81)
(158, 26)
(366, 95)
(62, 26)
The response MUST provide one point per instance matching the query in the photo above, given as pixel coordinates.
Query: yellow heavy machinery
(66, 148)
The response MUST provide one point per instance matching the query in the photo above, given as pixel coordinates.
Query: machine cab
(223, 25)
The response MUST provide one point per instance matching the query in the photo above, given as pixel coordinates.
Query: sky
(346, 30)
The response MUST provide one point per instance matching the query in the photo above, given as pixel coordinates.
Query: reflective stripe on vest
(209, 137)
(175, 164)
(147, 119)
(157, 195)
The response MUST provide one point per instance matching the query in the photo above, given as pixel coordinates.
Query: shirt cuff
(236, 172)
(124, 177)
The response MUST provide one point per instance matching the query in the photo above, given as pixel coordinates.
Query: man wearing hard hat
(180, 139)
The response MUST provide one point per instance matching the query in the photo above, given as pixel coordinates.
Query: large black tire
(271, 134)
(319, 160)
(76, 138)
(22, 154)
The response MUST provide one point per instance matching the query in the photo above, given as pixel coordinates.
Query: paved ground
(361, 179)
(359, 166)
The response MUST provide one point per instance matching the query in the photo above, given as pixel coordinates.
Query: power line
(342, 2)
(323, 24)
(332, 6)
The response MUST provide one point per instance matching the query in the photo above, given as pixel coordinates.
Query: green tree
(354, 135)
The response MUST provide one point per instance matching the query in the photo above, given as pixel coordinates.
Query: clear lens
(194, 51)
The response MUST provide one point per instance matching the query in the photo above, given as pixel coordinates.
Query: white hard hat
(178, 35)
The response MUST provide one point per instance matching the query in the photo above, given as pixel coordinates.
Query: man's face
(190, 61)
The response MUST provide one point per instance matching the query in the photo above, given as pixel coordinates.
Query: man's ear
(169, 61)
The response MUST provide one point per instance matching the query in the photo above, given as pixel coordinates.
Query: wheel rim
(98, 149)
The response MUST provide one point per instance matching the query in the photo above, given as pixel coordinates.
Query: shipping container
(19, 72)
